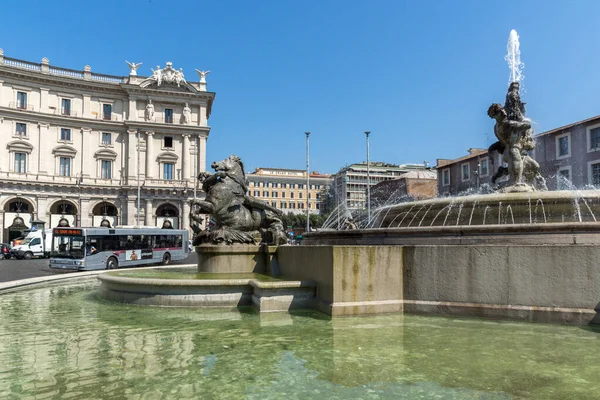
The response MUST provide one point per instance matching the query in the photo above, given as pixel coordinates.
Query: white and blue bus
(108, 248)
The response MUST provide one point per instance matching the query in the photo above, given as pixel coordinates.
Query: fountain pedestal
(239, 258)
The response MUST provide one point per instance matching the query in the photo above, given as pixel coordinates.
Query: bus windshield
(67, 246)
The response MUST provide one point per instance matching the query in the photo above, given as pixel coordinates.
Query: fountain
(521, 252)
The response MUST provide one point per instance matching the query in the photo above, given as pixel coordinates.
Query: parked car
(4, 251)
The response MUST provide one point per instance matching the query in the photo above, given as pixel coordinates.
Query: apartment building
(287, 189)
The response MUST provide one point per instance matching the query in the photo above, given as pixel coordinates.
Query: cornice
(60, 81)
(170, 128)
(52, 119)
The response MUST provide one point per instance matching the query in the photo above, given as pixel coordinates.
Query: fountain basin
(563, 206)
(263, 293)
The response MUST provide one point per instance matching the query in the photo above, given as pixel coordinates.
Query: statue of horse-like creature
(238, 217)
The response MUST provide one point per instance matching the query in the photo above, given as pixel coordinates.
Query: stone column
(87, 106)
(131, 156)
(132, 116)
(202, 120)
(41, 209)
(185, 158)
(201, 153)
(150, 158)
(132, 210)
(185, 217)
(85, 143)
(149, 213)
(43, 138)
(44, 100)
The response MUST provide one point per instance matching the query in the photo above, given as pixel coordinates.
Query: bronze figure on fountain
(238, 217)
(515, 141)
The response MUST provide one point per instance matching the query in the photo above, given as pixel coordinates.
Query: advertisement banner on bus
(133, 255)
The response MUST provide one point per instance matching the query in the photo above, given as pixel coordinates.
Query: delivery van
(36, 244)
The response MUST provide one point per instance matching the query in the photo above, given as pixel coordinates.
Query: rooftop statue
(515, 141)
(238, 217)
(133, 68)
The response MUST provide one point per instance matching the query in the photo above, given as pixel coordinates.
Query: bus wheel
(112, 263)
(166, 259)
(28, 255)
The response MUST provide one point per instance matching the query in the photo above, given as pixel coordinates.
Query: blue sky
(419, 75)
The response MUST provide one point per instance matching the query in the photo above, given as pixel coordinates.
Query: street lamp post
(307, 185)
(367, 133)
(138, 177)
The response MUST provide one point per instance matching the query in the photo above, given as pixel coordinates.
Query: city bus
(109, 248)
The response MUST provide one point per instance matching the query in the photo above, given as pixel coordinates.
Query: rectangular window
(107, 111)
(595, 138)
(595, 172)
(64, 166)
(21, 163)
(265, 194)
(22, 100)
(466, 172)
(168, 142)
(274, 204)
(168, 171)
(483, 167)
(168, 115)
(283, 204)
(106, 138)
(446, 177)
(299, 195)
(274, 194)
(106, 169)
(21, 129)
(283, 195)
(301, 205)
(256, 193)
(65, 134)
(563, 146)
(291, 195)
(65, 107)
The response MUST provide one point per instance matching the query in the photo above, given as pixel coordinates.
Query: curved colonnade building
(73, 145)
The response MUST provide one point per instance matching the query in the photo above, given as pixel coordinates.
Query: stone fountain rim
(139, 281)
(492, 197)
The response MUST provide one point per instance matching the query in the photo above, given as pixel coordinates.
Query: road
(12, 270)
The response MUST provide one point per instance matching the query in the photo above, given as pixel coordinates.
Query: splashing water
(513, 58)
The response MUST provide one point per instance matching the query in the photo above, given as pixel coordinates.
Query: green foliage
(298, 221)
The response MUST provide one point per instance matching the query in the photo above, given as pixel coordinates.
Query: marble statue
(157, 75)
(149, 114)
(237, 216)
(133, 68)
(515, 141)
(168, 75)
(202, 75)
(187, 114)
(179, 77)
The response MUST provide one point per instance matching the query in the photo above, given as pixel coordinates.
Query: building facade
(77, 146)
(350, 183)
(286, 189)
(464, 174)
(413, 185)
(569, 156)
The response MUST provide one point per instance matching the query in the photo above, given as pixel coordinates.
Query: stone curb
(6, 286)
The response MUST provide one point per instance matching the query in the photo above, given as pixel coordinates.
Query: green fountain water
(65, 342)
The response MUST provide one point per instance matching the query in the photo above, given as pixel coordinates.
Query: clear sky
(418, 74)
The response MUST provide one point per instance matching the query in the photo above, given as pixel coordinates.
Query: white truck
(36, 244)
